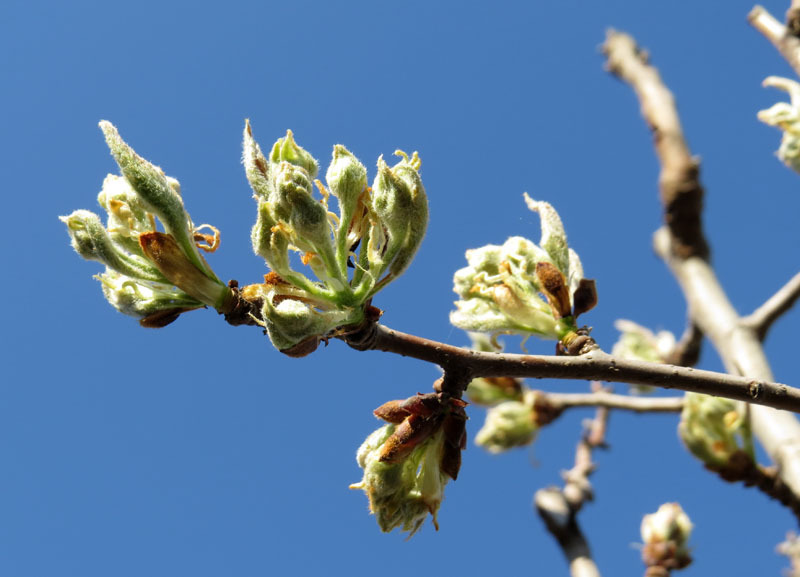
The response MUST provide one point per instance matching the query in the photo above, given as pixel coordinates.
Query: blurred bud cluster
(717, 431)
(151, 275)
(785, 116)
(351, 254)
(666, 534)
(638, 343)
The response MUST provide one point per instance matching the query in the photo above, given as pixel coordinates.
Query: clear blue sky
(198, 450)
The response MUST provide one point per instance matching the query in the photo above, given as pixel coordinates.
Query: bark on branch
(787, 43)
(738, 345)
(559, 508)
(681, 192)
(561, 401)
(762, 318)
(462, 365)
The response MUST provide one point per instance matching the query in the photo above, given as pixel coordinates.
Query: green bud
(638, 343)
(127, 215)
(295, 205)
(291, 321)
(554, 239)
(91, 240)
(160, 195)
(256, 166)
(715, 430)
(347, 179)
(287, 150)
(270, 241)
(402, 494)
(666, 534)
(508, 425)
(401, 206)
(141, 299)
(493, 390)
(407, 171)
(785, 116)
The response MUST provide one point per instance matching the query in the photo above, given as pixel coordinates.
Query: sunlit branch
(762, 318)
(612, 401)
(781, 37)
(684, 249)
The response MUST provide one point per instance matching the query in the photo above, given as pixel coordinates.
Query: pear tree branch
(683, 247)
(761, 319)
(462, 365)
(560, 401)
(784, 40)
(559, 508)
(686, 352)
(793, 18)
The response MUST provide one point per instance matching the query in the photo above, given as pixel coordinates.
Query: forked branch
(687, 255)
(462, 365)
(786, 42)
(761, 319)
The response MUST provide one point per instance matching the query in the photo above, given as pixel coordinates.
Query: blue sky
(198, 449)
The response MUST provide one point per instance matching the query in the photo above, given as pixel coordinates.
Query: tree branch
(607, 400)
(681, 192)
(687, 350)
(712, 312)
(781, 37)
(597, 365)
(559, 508)
(793, 18)
(762, 318)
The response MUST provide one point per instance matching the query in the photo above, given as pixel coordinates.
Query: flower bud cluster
(408, 462)
(666, 534)
(352, 254)
(508, 425)
(638, 343)
(715, 430)
(154, 276)
(785, 116)
(513, 424)
(524, 288)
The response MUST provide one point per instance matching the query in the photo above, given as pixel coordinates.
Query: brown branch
(681, 192)
(793, 18)
(559, 508)
(710, 309)
(762, 318)
(464, 365)
(781, 37)
(686, 352)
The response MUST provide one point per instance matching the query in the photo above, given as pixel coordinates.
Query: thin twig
(612, 401)
(712, 312)
(559, 508)
(762, 318)
(468, 364)
(781, 37)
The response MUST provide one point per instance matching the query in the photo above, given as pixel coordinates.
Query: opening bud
(665, 534)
